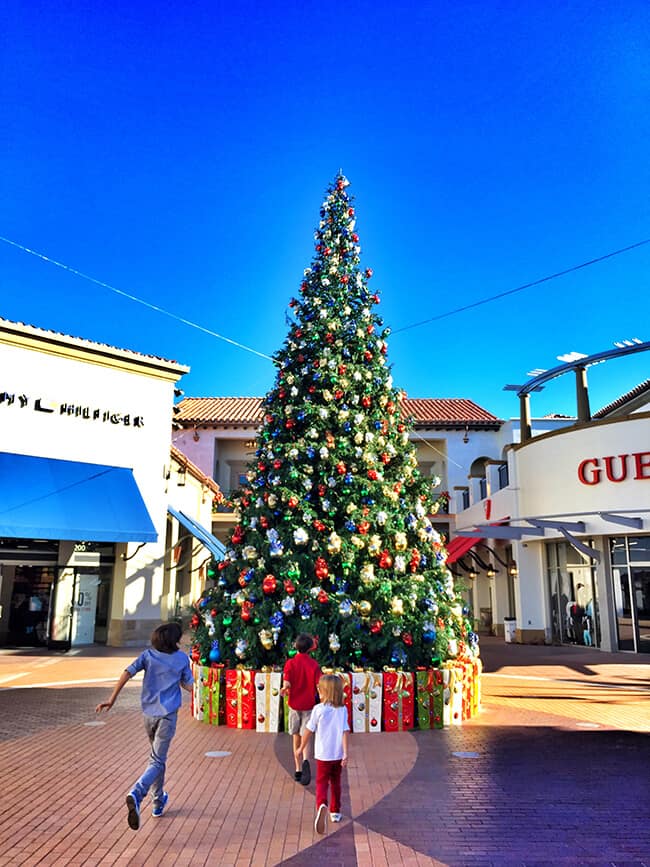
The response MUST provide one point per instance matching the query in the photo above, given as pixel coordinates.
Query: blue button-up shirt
(163, 675)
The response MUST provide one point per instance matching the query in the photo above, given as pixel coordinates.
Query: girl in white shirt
(329, 722)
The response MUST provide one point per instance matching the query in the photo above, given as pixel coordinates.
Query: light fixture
(196, 436)
(512, 570)
(491, 572)
(472, 575)
(250, 444)
(466, 436)
(180, 481)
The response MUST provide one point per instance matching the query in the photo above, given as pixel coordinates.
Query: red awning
(459, 546)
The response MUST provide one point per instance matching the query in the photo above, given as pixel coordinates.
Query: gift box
(206, 703)
(366, 701)
(430, 698)
(240, 699)
(346, 677)
(476, 686)
(453, 680)
(398, 700)
(267, 700)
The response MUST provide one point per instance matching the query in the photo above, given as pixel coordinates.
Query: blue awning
(44, 498)
(205, 537)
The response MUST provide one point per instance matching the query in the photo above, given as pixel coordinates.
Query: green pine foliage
(334, 537)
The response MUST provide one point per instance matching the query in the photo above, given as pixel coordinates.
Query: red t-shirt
(303, 674)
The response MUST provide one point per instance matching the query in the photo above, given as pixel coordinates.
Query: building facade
(87, 538)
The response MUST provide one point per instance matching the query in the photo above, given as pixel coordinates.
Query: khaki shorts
(298, 720)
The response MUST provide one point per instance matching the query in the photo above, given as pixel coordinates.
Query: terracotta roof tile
(643, 388)
(247, 411)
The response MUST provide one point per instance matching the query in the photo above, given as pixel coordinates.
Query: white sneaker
(320, 822)
(335, 817)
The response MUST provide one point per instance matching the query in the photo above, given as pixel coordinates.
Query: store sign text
(617, 468)
(71, 410)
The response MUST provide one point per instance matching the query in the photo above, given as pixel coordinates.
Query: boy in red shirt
(300, 681)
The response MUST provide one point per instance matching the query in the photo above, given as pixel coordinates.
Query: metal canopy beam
(580, 546)
(503, 532)
(573, 526)
(623, 520)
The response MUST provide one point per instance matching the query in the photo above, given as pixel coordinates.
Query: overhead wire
(507, 292)
(135, 298)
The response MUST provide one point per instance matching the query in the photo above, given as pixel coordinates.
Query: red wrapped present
(398, 701)
(240, 699)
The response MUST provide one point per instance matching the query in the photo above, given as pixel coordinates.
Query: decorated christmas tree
(333, 535)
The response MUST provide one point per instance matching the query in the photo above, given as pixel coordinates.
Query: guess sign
(616, 468)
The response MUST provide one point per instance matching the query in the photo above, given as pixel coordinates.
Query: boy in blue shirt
(166, 670)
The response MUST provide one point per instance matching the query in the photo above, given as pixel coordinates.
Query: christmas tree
(334, 537)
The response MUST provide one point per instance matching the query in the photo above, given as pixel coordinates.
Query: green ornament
(227, 620)
(293, 651)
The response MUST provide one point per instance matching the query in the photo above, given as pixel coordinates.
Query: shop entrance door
(84, 609)
(632, 593)
(73, 609)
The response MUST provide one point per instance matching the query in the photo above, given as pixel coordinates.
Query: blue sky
(180, 153)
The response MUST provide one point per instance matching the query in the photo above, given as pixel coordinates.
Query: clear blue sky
(180, 152)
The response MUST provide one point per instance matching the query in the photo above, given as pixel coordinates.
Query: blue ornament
(215, 653)
(350, 525)
(249, 575)
(305, 610)
(347, 427)
(377, 425)
(277, 619)
(300, 415)
(428, 635)
(398, 655)
(311, 452)
(347, 478)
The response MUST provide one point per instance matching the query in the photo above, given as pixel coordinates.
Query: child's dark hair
(165, 638)
(304, 643)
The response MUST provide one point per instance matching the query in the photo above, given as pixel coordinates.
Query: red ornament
(245, 615)
(400, 428)
(282, 394)
(345, 278)
(289, 423)
(318, 525)
(311, 389)
(196, 653)
(407, 638)
(213, 612)
(376, 626)
(260, 718)
(293, 302)
(322, 597)
(363, 527)
(264, 522)
(366, 400)
(289, 586)
(373, 722)
(355, 237)
(268, 418)
(341, 468)
(329, 337)
(293, 502)
(322, 490)
(370, 329)
(338, 394)
(367, 355)
(372, 475)
(342, 369)
(385, 560)
(194, 622)
(321, 569)
(237, 535)
(269, 584)
(385, 458)
(277, 463)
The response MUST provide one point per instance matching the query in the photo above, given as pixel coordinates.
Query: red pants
(328, 774)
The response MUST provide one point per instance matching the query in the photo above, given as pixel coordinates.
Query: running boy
(329, 720)
(166, 670)
(300, 681)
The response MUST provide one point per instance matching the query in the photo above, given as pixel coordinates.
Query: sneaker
(335, 817)
(321, 819)
(297, 776)
(305, 778)
(158, 809)
(133, 803)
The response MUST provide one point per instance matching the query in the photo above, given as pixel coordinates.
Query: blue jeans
(160, 730)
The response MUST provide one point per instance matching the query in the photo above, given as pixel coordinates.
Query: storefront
(84, 490)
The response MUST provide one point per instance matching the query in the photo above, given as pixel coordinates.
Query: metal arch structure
(579, 367)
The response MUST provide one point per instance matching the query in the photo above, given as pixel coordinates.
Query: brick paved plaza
(555, 771)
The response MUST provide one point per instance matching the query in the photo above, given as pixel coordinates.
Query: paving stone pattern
(555, 771)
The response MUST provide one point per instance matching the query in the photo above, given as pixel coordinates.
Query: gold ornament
(364, 608)
(397, 605)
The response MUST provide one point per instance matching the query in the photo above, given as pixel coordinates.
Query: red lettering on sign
(642, 465)
(609, 468)
(594, 473)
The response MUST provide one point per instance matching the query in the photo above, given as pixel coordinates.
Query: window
(504, 481)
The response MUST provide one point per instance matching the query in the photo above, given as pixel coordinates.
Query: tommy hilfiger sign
(72, 410)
